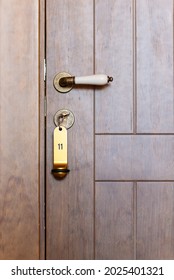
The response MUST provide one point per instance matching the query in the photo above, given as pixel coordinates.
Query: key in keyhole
(64, 118)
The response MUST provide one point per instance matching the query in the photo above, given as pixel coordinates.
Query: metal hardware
(64, 82)
(57, 85)
(60, 164)
(110, 79)
(45, 106)
(45, 69)
(67, 81)
(64, 118)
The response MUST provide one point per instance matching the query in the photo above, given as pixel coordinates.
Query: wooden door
(117, 202)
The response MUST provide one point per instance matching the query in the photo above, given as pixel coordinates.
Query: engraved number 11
(60, 146)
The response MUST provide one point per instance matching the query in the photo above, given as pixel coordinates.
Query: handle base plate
(56, 82)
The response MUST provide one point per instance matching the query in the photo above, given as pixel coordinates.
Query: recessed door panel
(114, 215)
(155, 66)
(114, 55)
(155, 220)
(134, 157)
(70, 207)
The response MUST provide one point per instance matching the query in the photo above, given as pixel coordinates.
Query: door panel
(155, 109)
(123, 132)
(19, 125)
(113, 55)
(114, 221)
(136, 157)
(70, 206)
(155, 220)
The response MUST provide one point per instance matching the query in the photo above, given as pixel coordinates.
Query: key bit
(64, 118)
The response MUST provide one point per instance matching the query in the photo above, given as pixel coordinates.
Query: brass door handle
(64, 82)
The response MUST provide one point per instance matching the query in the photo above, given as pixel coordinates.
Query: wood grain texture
(155, 110)
(114, 221)
(114, 57)
(19, 130)
(136, 157)
(69, 202)
(155, 221)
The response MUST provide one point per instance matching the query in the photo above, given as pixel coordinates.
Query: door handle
(64, 82)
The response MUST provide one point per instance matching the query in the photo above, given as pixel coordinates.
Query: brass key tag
(60, 162)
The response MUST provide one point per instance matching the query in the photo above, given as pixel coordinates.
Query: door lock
(63, 120)
(64, 82)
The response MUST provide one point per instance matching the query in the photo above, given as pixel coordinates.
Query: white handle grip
(64, 82)
(98, 80)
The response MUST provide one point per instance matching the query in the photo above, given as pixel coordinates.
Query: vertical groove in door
(94, 50)
(135, 219)
(173, 52)
(134, 33)
(45, 128)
